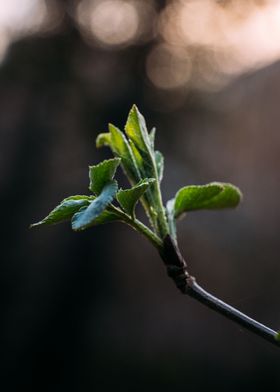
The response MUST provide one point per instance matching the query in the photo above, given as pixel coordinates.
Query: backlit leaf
(103, 139)
(122, 149)
(215, 195)
(136, 130)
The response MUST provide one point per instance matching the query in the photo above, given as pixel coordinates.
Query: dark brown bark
(177, 270)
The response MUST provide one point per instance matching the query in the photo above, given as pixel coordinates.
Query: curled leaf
(103, 139)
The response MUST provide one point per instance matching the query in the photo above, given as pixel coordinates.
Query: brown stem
(177, 270)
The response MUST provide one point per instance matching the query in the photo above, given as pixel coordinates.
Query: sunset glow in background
(196, 43)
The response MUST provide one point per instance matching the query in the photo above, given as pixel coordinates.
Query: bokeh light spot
(114, 22)
(168, 67)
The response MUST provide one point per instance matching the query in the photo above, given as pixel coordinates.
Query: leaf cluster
(134, 151)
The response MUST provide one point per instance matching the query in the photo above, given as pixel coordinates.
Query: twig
(177, 270)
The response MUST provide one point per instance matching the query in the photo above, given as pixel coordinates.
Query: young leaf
(65, 210)
(103, 139)
(146, 171)
(136, 130)
(143, 151)
(159, 164)
(102, 173)
(128, 198)
(87, 216)
(215, 195)
(122, 149)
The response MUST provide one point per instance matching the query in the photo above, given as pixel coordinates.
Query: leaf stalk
(138, 226)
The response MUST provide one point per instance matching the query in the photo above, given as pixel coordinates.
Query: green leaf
(128, 198)
(152, 199)
(145, 169)
(159, 164)
(136, 130)
(171, 218)
(215, 195)
(65, 210)
(122, 149)
(87, 216)
(103, 139)
(142, 154)
(102, 173)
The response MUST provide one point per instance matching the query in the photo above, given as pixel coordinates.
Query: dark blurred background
(95, 310)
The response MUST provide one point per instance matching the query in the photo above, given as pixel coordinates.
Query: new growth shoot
(134, 151)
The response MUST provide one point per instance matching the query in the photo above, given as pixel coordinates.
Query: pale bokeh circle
(114, 22)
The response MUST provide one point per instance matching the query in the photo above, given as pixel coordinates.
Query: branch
(177, 270)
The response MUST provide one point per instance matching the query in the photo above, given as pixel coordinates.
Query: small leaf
(159, 164)
(215, 195)
(146, 171)
(141, 143)
(122, 149)
(170, 218)
(136, 130)
(144, 164)
(103, 139)
(102, 173)
(138, 157)
(65, 210)
(87, 216)
(128, 198)
(141, 147)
